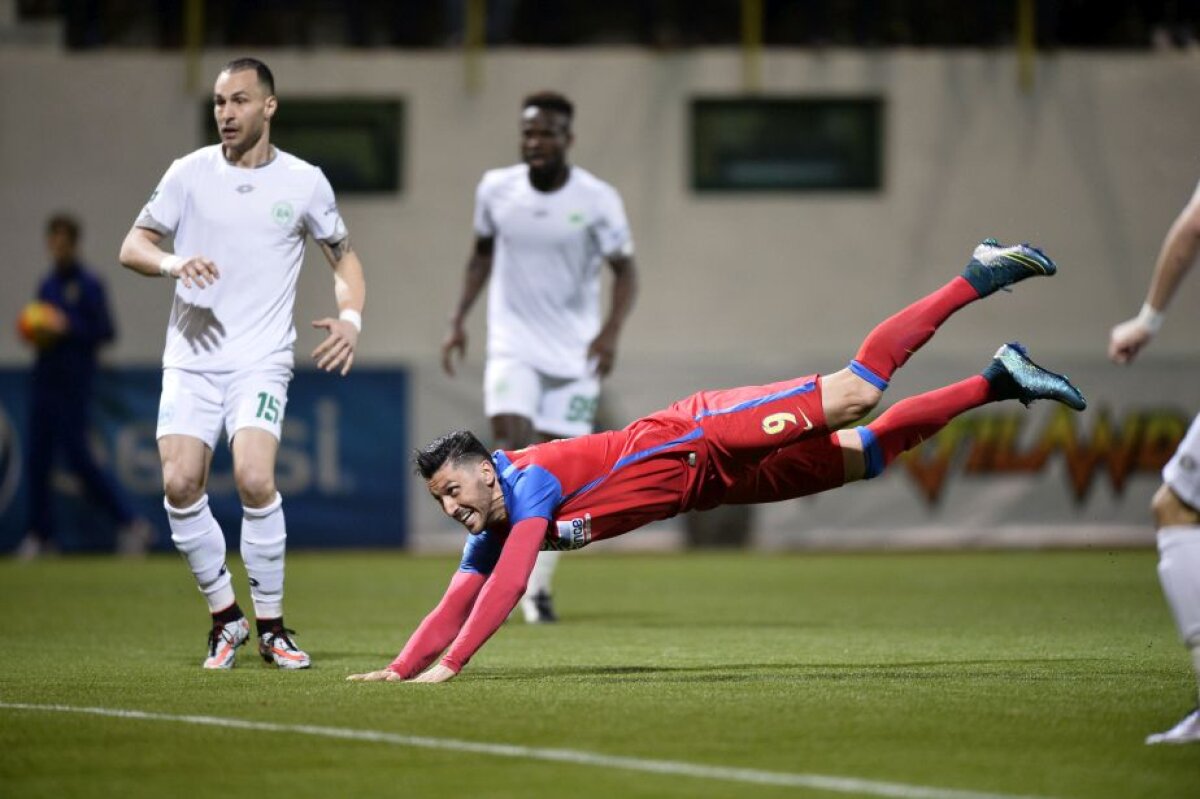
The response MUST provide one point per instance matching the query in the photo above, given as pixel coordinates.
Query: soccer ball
(39, 323)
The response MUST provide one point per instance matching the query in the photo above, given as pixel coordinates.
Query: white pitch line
(673, 767)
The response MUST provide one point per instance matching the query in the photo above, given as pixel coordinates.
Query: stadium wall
(1093, 162)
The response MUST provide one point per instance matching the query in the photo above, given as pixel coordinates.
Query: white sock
(263, 542)
(199, 539)
(543, 573)
(1179, 573)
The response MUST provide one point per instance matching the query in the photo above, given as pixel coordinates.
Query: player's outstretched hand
(336, 352)
(383, 675)
(438, 673)
(455, 342)
(1127, 340)
(197, 269)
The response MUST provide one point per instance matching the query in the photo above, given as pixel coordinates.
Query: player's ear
(271, 105)
(488, 472)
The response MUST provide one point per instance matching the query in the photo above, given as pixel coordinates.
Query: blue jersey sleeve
(481, 552)
(531, 492)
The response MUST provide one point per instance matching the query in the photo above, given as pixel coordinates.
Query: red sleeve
(441, 625)
(503, 590)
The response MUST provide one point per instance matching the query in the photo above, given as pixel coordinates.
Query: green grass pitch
(1031, 674)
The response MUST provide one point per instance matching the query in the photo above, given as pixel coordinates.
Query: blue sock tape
(872, 452)
(868, 375)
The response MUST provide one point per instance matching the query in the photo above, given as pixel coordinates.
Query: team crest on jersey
(576, 218)
(282, 213)
(572, 533)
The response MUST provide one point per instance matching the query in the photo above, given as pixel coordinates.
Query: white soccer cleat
(1185, 732)
(224, 641)
(279, 648)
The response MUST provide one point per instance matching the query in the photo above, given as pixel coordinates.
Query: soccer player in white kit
(239, 212)
(1176, 505)
(543, 229)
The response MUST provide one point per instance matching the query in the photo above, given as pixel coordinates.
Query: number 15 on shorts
(268, 407)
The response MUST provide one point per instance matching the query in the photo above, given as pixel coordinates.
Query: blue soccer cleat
(996, 266)
(1014, 376)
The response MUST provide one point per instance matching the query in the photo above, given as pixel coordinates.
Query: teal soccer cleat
(996, 266)
(1014, 376)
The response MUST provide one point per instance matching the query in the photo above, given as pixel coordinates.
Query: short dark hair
(64, 223)
(262, 70)
(550, 101)
(454, 448)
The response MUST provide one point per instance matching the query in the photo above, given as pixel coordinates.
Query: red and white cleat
(278, 647)
(223, 642)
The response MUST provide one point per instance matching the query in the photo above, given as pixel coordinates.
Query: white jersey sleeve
(321, 217)
(164, 209)
(610, 228)
(485, 225)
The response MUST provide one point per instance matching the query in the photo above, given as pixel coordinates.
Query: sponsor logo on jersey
(245, 188)
(282, 213)
(573, 533)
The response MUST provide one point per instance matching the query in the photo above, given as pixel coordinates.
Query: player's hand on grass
(1127, 339)
(336, 352)
(438, 673)
(455, 341)
(197, 269)
(383, 675)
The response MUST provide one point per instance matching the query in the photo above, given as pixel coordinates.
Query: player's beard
(235, 151)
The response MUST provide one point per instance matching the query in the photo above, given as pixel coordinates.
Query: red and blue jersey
(694, 454)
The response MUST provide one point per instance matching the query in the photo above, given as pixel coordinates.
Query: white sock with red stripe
(264, 538)
(199, 539)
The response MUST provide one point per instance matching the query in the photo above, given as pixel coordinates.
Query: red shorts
(763, 443)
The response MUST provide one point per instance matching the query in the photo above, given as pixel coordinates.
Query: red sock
(890, 344)
(914, 419)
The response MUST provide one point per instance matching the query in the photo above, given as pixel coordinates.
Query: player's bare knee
(846, 398)
(181, 488)
(859, 399)
(1171, 511)
(255, 485)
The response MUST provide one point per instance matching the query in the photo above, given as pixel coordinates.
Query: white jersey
(544, 299)
(252, 224)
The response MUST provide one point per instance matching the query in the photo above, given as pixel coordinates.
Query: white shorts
(1182, 472)
(197, 403)
(560, 406)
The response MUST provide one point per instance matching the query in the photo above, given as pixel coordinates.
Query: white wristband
(353, 317)
(1151, 319)
(166, 267)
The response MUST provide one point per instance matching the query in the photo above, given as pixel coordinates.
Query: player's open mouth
(463, 516)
